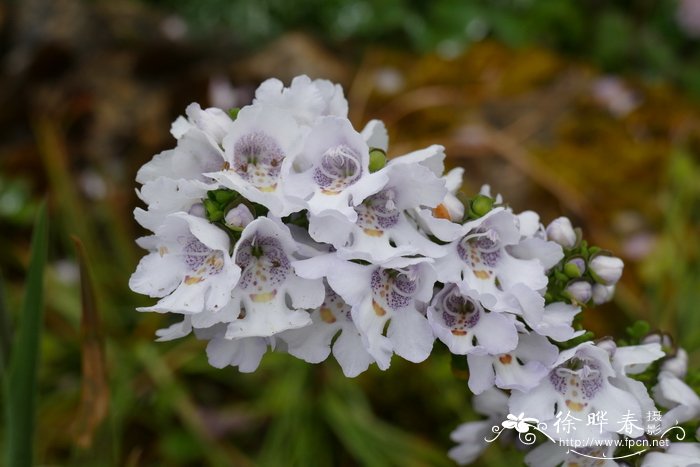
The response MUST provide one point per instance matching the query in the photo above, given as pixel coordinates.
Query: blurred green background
(589, 109)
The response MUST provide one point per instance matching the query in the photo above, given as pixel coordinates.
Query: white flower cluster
(280, 226)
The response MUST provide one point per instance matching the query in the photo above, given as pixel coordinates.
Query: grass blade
(24, 361)
(94, 399)
(5, 331)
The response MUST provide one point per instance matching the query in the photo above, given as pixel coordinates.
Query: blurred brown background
(589, 110)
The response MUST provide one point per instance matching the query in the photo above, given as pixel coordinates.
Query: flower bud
(605, 269)
(481, 205)
(575, 267)
(377, 159)
(579, 291)
(658, 338)
(562, 232)
(607, 344)
(602, 293)
(239, 217)
(678, 364)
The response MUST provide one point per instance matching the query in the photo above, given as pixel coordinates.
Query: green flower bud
(575, 267)
(233, 113)
(481, 205)
(377, 159)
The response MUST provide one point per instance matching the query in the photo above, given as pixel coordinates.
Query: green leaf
(22, 374)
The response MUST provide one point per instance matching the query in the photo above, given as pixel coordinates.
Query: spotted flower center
(392, 289)
(340, 167)
(578, 381)
(201, 261)
(334, 308)
(378, 213)
(481, 250)
(258, 158)
(460, 313)
(264, 267)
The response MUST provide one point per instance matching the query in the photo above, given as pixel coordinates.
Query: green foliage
(673, 271)
(21, 380)
(617, 36)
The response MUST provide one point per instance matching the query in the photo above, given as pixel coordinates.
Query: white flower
(189, 266)
(259, 152)
(676, 455)
(451, 207)
(213, 122)
(432, 158)
(175, 331)
(383, 229)
(269, 297)
(482, 258)
(631, 360)
(391, 296)
(554, 320)
(165, 196)
(674, 394)
(606, 269)
(244, 353)
(375, 135)
(444, 221)
(333, 169)
(522, 368)
(304, 98)
(533, 244)
(562, 232)
(492, 403)
(332, 325)
(197, 153)
(580, 385)
(462, 320)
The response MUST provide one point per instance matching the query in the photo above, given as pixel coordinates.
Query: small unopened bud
(658, 338)
(602, 293)
(575, 267)
(239, 217)
(605, 269)
(197, 210)
(377, 159)
(562, 232)
(579, 291)
(607, 344)
(481, 205)
(678, 364)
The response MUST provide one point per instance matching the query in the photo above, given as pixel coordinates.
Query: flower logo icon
(519, 423)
